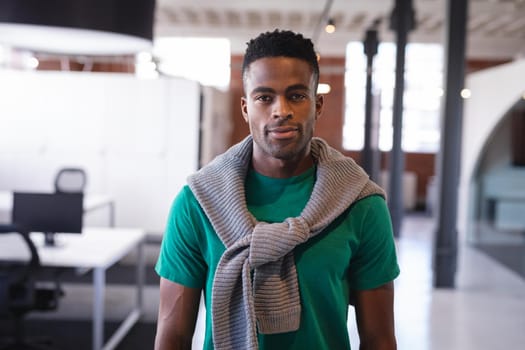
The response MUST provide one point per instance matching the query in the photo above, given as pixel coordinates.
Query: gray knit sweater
(270, 302)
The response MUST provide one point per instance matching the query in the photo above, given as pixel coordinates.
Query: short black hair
(281, 43)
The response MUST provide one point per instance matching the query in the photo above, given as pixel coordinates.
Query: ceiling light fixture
(330, 26)
(466, 93)
(322, 20)
(92, 27)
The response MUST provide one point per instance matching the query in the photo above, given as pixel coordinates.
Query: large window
(423, 81)
(206, 60)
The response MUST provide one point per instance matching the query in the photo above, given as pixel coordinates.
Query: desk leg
(112, 214)
(140, 274)
(134, 315)
(99, 284)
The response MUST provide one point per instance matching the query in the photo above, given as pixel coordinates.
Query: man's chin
(285, 152)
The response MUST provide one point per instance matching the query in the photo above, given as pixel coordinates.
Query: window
(190, 58)
(423, 81)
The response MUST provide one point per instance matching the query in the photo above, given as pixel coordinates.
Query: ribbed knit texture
(272, 303)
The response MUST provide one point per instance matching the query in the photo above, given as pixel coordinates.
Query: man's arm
(375, 318)
(178, 309)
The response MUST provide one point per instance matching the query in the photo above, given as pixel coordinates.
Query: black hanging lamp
(92, 27)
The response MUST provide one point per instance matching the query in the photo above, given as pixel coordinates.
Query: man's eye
(263, 98)
(297, 97)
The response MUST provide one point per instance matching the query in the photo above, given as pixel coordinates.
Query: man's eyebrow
(262, 89)
(297, 87)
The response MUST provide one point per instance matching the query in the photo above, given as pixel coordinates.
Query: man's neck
(279, 168)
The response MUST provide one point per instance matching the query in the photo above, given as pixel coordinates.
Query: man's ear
(244, 109)
(319, 103)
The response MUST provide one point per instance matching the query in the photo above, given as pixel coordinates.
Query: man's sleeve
(180, 259)
(375, 262)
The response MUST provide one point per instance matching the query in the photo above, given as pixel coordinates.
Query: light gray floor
(485, 311)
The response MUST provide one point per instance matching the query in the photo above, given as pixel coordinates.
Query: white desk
(96, 249)
(91, 202)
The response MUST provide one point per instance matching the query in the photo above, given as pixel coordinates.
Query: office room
(107, 108)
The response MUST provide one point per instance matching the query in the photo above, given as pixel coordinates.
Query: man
(281, 231)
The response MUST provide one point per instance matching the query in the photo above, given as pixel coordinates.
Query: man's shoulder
(369, 202)
(371, 207)
(185, 199)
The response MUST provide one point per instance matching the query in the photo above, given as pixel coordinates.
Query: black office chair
(20, 294)
(70, 180)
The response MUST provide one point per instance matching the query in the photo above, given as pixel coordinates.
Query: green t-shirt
(356, 251)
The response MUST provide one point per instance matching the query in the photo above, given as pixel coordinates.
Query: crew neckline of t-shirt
(297, 178)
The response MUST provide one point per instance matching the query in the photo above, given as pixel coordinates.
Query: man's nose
(282, 108)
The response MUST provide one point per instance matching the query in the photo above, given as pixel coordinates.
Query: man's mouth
(283, 132)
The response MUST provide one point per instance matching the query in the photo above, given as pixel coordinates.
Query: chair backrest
(70, 180)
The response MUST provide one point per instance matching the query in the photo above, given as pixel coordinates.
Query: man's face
(281, 107)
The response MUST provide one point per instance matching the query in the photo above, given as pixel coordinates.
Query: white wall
(494, 91)
(137, 139)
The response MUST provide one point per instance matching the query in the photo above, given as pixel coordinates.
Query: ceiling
(496, 28)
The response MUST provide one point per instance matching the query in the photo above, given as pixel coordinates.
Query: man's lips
(283, 132)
